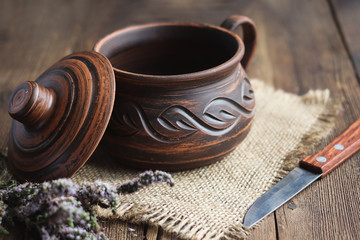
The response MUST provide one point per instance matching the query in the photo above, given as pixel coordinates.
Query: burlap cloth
(210, 202)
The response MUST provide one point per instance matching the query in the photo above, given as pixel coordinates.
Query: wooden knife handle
(343, 147)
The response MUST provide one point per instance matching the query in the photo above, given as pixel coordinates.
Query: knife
(311, 168)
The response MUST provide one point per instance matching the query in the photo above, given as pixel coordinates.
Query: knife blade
(311, 168)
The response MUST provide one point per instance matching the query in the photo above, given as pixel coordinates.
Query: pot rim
(223, 67)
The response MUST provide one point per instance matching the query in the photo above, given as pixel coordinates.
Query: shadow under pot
(183, 99)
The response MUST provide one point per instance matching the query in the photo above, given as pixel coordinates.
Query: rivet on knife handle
(343, 147)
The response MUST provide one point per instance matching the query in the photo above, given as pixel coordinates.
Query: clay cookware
(182, 100)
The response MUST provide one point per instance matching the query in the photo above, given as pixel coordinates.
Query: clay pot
(182, 96)
(182, 100)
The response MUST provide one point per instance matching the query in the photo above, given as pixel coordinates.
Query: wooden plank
(162, 235)
(346, 14)
(151, 232)
(116, 229)
(265, 230)
(305, 50)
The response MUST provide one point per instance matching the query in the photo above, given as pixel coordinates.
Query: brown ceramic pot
(183, 99)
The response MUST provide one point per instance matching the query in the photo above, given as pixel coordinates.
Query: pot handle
(249, 35)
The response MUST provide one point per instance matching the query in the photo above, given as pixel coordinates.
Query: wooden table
(302, 45)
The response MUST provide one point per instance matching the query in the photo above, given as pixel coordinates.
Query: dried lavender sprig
(3, 208)
(62, 209)
(99, 193)
(107, 195)
(67, 219)
(145, 179)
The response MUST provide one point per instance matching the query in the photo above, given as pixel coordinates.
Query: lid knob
(31, 104)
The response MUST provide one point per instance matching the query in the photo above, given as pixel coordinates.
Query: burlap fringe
(319, 130)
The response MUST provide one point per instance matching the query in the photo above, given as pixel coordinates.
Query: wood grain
(346, 14)
(116, 229)
(308, 52)
(300, 47)
(265, 230)
(339, 150)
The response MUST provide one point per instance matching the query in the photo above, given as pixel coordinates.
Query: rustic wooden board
(300, 46)
(346, 14)
(265, 230)
(307, 51)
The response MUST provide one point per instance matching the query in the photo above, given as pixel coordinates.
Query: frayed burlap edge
(184, 228)
(319, 130)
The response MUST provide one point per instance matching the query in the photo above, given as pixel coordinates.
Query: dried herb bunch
(62, 209)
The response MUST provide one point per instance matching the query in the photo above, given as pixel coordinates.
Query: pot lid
(60, 118)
